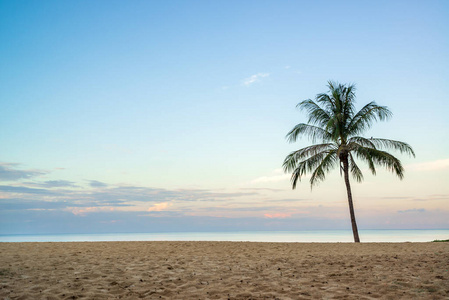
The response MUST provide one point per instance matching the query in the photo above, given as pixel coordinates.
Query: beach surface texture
(223, 270)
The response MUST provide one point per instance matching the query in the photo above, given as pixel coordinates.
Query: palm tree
(334, 122)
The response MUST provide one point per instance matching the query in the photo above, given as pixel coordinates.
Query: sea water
(326, 236)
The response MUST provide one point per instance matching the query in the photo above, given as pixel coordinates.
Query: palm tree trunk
(355, 231)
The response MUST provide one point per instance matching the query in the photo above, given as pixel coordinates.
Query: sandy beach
(223, 270)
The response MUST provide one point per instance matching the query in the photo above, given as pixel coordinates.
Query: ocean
(326, 236)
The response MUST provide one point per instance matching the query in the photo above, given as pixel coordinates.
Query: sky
(159, 116)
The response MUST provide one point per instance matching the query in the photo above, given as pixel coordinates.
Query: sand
(223, 270)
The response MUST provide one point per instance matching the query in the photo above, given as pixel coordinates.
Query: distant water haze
(326, 236)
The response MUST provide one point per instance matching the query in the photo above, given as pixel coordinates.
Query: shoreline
(222, 270)
(194, 241)
(325, 236)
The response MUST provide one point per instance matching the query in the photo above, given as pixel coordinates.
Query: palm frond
(327, 163)
(348, 107)
(362, 153)
(355, 170)
(339, 104)
(292, 160)
(394, 145)
(381, 158)
(313, 132)
(366, 116)
(317, 115)
(309, 165)
(305, 166)
(357, 141)
(326, 101)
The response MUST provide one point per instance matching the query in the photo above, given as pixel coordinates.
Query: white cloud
(276, 176)
(254, 78)
(272, 178)
(442, 164)
(160, 206)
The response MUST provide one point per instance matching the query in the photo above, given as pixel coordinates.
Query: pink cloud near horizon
(278, 215)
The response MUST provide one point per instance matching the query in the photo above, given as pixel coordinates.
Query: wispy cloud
(56, 184)
(27, 204)
(434, 197)
(295, 200)
(254, 78)
(126, 198)
(8, 172)
(261, 189)
(95, 183)
(85, 210)
(413, 210)
(24, 190)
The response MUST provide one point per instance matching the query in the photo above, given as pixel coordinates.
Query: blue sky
(140, 116)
